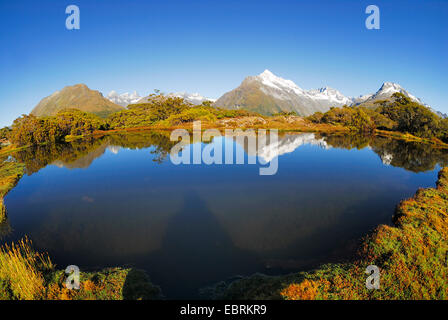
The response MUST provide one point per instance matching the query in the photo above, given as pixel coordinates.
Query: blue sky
(210, 46)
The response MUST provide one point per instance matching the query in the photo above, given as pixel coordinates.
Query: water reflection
(286, 143)
(190, 226)
(81, 153)
(5, 229)
(413, 156)
(183, 251)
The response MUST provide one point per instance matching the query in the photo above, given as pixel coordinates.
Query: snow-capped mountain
(127, 98)
(386, 91)
(331, 95)
(269, 94)
(271, 80)
(361, 98)
(325, 95)
(194, 98)
(123, 99)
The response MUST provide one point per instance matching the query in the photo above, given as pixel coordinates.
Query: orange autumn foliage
(307, 290)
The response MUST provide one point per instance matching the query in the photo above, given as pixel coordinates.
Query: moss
(10, 174)
(107, 284)
(2, 212)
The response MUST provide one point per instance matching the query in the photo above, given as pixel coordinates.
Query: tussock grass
(26, 274)
(21, 269)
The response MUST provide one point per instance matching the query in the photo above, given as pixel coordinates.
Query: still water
(119, 201)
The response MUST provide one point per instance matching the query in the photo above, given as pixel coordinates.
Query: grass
(10, 174)
(107, 284)
(21, 271)
(412, 257)
(281, 123)
(411, 138)
(29, 275)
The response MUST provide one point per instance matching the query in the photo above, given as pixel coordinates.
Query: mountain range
(123, 99)
(126, 98)
(265, 93)
(269, 94)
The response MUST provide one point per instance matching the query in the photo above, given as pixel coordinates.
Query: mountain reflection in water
(413, 156)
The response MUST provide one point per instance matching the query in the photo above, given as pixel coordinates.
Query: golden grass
(10, 174)
(26, 274)
(411, 138)
(21, 267)
(2, 211)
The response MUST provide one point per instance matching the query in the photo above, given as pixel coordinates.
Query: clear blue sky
(210, 46)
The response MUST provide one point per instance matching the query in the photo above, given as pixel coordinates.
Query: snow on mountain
(326, 93)
(271, 80)
(440, 114)
(267, 93)
(329, 94)
(361, 98)
(387, 90)
(194, 98)
(123, 99)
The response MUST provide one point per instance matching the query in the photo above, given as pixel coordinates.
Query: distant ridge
(194, 98)
(78, 97)
(123, 99)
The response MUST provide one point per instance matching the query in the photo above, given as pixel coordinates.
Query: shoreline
(309, 128)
